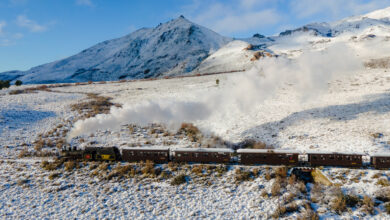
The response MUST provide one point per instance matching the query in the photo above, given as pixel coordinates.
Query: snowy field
(317, 95)
(346, 117)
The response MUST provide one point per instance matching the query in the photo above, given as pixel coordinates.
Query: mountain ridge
(171, 48)
(180, 47)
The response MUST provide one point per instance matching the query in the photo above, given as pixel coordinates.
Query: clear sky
(34, 32)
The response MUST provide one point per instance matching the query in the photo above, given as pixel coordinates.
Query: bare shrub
(352, 200)
(49, 143)
(103, 166)
(69, 165)
(148, 168)
(179, 179)
(39, 144)
(376, 175)
(60, 143)
(308, 214)
(221, 169)
(339, 204)
(276, 187)
(267, 175)
(316, 193)
(50, 166)
(387, 207)
(172, 166)
(24, 153)
(281, 172)
(96, 105)
(22, 182)
(197, 169)
(54, 176)
(253, 144)
(191, 131)
(279, 212)
(368, 205)
(290, 197)
(292, 207)
(383, 194)
(164, 175)
(383, 182)
(241, 176)
(255, 172)
(292, 179)
(16, 92)
(378, 63)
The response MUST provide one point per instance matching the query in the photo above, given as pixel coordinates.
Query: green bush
(4, 84)
(18, 83)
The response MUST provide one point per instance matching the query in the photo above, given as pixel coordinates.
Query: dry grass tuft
(368, 205)
(96, 105)
(191, 131)
(241, 175)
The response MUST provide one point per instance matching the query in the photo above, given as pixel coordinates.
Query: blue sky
(34, 32)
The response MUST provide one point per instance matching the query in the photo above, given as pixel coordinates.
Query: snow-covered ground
(350, 112)
(343, 118)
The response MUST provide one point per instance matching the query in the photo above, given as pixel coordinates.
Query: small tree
(18, 83)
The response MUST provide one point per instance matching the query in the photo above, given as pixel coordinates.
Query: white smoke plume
(309, 74)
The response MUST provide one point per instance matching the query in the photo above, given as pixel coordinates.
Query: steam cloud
(309, 74)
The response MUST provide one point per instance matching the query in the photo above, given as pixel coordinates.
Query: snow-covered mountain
(181, 47)
(375, 18)
(175, 47)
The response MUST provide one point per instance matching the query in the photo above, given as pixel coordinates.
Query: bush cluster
(191, 131)
(4, 84)
(179, 179)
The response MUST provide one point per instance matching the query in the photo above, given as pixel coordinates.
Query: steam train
(226, 155)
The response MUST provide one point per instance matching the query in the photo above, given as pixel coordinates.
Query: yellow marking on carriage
(106, 157)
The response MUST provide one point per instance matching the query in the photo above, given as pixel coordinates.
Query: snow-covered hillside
(172, 48)
(352, 24)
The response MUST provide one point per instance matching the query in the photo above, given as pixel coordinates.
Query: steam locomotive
(226, 155)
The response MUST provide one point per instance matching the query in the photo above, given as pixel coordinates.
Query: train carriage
(155, 154)
(380, 160)
(268, 156)
(203, 155)
(316, 158)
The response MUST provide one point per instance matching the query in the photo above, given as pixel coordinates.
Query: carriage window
(314, 157)
(322, 157)
(206, 154)
(339, 157)
(196, 154)
(348, 157)
(185, 154)
(179, 155)
(331, 157)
